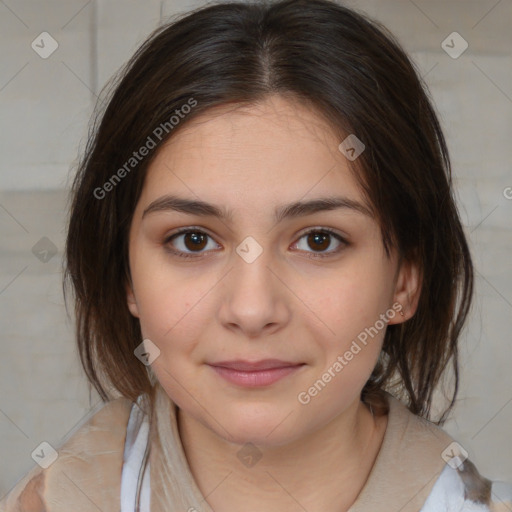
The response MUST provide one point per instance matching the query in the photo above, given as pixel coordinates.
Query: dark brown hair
(353, 72)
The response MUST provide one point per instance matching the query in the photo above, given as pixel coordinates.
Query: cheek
(351, 326)
(157, 291)
(352, 301)
(173, 309)
(167, 315)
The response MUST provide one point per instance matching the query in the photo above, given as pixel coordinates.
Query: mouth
(256, 373)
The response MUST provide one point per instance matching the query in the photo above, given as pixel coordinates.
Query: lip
(251, 366)
(255, 373)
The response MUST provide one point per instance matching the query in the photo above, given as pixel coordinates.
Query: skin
(283, 305)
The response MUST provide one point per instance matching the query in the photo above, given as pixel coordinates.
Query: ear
(407, 291)
(131, 301)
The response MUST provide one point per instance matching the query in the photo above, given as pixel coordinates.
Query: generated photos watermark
(304, 397)
(159, 133)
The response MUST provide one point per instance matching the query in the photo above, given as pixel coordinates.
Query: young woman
(269, 267)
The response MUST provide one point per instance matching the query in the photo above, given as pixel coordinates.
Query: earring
(401, 312)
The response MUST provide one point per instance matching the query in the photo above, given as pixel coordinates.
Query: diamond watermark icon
(147, 352)
(454, 45)
(249, 249)
(454, 455)
(352, 147)
(249, 455)
(44, 45)
(44, 250)
(45, 455)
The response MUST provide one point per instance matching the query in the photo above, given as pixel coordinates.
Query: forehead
(275, 151)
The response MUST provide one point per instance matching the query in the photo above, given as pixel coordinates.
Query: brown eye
(319, 240)
(194, 241)
(188, 243)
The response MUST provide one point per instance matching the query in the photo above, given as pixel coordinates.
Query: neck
(326, 469)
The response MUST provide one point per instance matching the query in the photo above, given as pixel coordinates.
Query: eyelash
(192, 229)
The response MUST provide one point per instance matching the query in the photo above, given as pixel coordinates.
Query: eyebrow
(288, 211)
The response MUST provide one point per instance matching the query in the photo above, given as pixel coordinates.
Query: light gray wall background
(45, 107)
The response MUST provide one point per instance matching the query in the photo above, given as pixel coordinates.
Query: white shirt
(137, 433)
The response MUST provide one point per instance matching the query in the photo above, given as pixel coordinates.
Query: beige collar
(405, 470)
(86, 476)
(407, 466)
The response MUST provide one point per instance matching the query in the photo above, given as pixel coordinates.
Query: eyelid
(321, 229)
(198, 229)
(181, 231)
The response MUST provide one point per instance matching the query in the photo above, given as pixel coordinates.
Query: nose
(255, 300)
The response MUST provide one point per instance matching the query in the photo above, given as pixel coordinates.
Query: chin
(261, 425)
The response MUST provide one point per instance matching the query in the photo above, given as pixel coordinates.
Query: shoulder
(420, 467)
(461, 488)
(457, 485)
(87, 472)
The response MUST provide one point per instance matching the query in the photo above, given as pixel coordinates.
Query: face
(305, 286)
